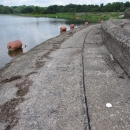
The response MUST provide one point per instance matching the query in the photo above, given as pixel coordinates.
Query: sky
(46, 3)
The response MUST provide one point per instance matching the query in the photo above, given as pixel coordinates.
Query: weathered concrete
(64, 84)
(104, 83)
(49, 92)
(116, 36)
(127, 14)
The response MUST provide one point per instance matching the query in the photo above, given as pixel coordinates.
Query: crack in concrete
(85, 97)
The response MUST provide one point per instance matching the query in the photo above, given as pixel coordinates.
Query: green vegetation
(80, 17)
(53, 9)
(71, 11)
(127, 9)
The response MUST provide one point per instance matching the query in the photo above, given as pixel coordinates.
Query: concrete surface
(65, 84)
(127, 14)
(104, 83)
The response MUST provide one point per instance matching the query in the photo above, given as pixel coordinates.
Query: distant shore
(90, 17)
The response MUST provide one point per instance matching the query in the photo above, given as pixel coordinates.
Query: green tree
(127, 4)
(52, 9)
(5, 9)
(27, 9)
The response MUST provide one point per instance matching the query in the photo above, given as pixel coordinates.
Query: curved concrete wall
(127, 14)
(116, 37)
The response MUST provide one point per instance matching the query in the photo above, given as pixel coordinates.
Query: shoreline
(41, 44)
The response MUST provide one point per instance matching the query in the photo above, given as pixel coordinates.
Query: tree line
(110, 7)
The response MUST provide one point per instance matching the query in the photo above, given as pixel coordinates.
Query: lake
(31, 31)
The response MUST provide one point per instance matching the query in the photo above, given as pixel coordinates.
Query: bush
(127, 9)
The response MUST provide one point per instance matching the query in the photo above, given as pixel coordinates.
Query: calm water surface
(30, 31)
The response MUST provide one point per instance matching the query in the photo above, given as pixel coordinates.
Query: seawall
(127, 14)
(116, 36)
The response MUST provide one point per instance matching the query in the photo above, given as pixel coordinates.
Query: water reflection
(30, 30)
(15, 52)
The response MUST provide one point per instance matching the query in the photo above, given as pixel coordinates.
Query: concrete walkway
(65, 84)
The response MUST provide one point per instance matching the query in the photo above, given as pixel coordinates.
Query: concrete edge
(117, 40)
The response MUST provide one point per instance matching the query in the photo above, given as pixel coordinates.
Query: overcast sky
(46, 3)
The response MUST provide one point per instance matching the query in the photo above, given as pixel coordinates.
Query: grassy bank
(90, 17)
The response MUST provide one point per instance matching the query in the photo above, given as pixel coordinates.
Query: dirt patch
(71, 33)
(57, 45)
(39, 64)
(23, 87)
(27, 75)
(11, 79)
(46, 55)
(77, 52)
(8, 112)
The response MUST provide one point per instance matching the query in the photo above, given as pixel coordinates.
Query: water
(30, 31)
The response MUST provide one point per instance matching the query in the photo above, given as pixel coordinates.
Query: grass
(90, 17)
